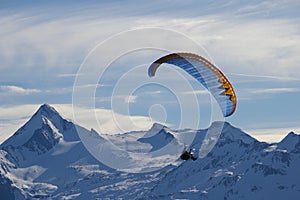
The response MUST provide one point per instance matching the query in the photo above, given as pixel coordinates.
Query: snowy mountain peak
(231, 133)
(47, 107)
(158, 136)
(44, 138)
(156, 127)
(289, 142)
(45, 115)
(290, 136)
(46, 161)
(159, 129)
(47, 111)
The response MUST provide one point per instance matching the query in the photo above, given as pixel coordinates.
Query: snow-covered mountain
(46, 159)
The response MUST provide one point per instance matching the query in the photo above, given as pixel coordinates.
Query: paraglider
(186, 155)
(204, 72)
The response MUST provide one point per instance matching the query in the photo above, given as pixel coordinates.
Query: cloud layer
(12, 89)
(256, 44)
(13, 117)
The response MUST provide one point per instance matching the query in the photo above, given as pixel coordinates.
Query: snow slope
(46, 159)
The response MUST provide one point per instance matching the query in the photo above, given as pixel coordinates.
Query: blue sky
(43, 46)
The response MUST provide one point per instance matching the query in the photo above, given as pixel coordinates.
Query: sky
(89, 60)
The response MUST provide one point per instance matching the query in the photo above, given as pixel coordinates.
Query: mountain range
(47, 159)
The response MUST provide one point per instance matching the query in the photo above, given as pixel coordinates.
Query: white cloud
(119, 98)
(13, 117)
(197, 92)
(68, 75)
(94, 85)
(153, 92)
(274, 90)
(17, 112)
(263, 77)
(130, 99)
(102, 120)
(12, 89)
(249, 38)
(272, 134)
(251, 46)
(10, 127)
(231, 41)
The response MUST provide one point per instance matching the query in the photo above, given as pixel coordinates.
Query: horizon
(151, 125)
(46, 47)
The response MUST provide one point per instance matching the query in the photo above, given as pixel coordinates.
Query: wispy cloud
(103, 120)
(130, 99)
(274, 90)
(197, 92)
(272, 134)
(241, 37)
(68, 75)
(94, 85)
(13, 117)
(119, 98)
(12, 89)
(156, 92)
(274, 43)
(281, 78)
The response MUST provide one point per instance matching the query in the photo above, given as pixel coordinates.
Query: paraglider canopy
(204, 72)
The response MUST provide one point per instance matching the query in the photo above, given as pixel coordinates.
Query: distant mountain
(239, 167)
(158, 136)
(46, 159)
